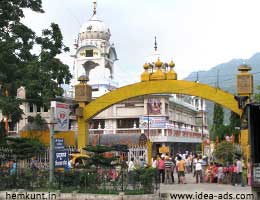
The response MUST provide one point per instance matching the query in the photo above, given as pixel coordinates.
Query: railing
(172, 131)
(92, 180)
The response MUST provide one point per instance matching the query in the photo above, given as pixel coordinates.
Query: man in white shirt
(154, 163)
(198, 170)
(239, 171)
(131, 168)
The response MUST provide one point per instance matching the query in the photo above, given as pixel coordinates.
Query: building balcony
(173, 134)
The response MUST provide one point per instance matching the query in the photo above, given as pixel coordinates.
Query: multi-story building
(177, 121)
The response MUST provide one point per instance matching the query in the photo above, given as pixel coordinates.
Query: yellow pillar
(245, 89)
(83, 95)
(149, 152)
(82, 130)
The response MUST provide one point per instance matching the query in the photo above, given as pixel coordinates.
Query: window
(89, 53)
(38, 108)
(45, 109)
(30, 107)
(127, 123)
(94, 124)
(95, 89)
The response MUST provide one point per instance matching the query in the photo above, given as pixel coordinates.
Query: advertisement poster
(154, 122)
(61, 115)
(154, 106)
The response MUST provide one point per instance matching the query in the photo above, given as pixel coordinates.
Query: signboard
(244, 84)
(164, 149)
(61, 159)
(83, 93)
(59, 143)
(154, 122)
(61, 115)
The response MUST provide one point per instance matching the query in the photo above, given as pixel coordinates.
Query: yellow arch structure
(152, 87)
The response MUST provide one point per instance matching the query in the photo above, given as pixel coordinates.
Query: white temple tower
(95, 56)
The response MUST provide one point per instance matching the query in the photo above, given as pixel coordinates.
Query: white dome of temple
(94, 29)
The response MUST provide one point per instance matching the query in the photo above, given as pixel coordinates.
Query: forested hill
(224, 76)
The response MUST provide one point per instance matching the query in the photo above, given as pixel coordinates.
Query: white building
(177, 121)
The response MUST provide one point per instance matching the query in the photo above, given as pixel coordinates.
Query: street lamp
(148, 117)
(202, 130)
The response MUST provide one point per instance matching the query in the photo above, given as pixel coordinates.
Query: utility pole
(148, 118)
(51, 156)
(202, 126)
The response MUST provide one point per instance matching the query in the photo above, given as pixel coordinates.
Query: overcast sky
(195, 34)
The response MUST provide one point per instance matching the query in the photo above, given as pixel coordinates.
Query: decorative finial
(155, 44)
(95, 7)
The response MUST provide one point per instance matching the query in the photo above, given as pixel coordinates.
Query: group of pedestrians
(229, 174)
(9, 167)
(181, 164)
(167, 165)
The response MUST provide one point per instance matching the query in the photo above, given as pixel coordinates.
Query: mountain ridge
(224, 76)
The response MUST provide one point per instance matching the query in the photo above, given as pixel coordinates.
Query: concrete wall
(77, 196)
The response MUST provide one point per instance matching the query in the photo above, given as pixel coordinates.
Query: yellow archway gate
(151, 87)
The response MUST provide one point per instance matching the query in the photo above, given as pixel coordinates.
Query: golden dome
(146, 66)
(171, 64)
(158, 63)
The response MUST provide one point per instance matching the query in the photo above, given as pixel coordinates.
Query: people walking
(198, 170)
(168, 169)
(161, 169)
(239, 172)
(131, 168)
(181, 170)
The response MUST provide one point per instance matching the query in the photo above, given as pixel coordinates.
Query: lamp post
(148, 119)
(202, 130)
(51, 157)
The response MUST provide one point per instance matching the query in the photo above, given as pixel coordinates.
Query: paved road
(204, 190)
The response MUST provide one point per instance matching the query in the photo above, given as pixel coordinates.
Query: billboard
(154, 122)
(154, 106)
(61, 114)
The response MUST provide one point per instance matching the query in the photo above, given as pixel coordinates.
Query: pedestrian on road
(168, 169)
(131, 168)
(198, 170)
(239, 172)
(181, 169)
(161, 169)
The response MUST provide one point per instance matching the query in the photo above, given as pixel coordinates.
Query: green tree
(225, 152)
(42, 74)
(21, 148)
(234, 122)
(257, 95)
(218, 120)
(97, 157)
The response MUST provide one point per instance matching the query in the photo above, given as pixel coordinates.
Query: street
(203, 190)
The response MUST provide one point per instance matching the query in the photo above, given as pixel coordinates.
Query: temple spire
(155, 44)
(94, 7)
